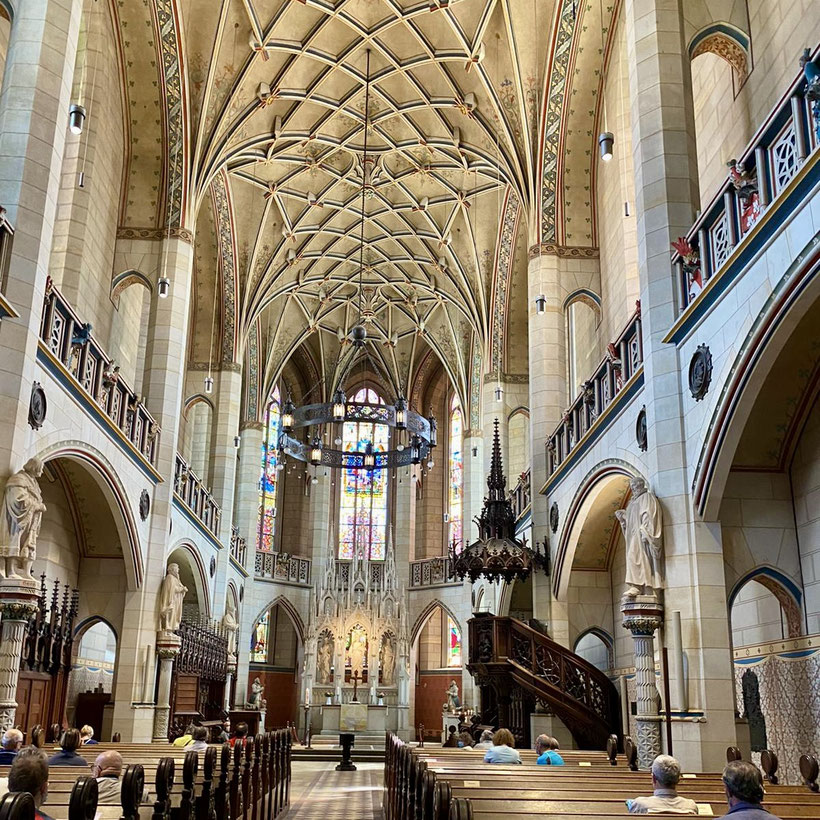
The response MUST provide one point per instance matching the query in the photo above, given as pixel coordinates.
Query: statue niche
(642, 525)
(388, 659)
(324, 660)
(356, 653)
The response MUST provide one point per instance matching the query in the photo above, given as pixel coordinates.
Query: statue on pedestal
(23, 510)
(255, 700)
(171, 595)
(388, 661)
(642, 525)
(324, 660)
(453, 700)
(229, 623)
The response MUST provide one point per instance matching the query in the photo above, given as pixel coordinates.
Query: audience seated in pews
(486, 740)
(546, 748)
(744, 792)
(665, 800)
(503, 748)
(200, 740)
(87, 736)
(240, 734)
(11, 743)
(465, 740)
(68, 755)
(29, 773)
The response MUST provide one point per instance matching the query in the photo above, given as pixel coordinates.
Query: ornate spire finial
(496, 481)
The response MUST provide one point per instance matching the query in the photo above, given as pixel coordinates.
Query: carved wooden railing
(72, 343)
(507, 656)
(764, 169)
(239, 547)
(280, 566)
(431, 572)
(519, 495)
(189, 489)
(624, 358)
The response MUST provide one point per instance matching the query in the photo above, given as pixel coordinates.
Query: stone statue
(358, 649)
(255, 700)
(325, 659)
(642, 524)
(230, 624)
(23, 510)
(453, 700)
(171, 595)
(388, 661)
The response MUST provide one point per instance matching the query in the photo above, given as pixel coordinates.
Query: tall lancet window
(363, 494)
(456, 475)
(269, 475)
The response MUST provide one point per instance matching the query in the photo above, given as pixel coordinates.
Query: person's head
(226, 725)
(86, 733)
(108, 764)
(743, 783)
(665, 771)
(554, 744)
(241, 729)
(504, 737)
(487, 736)
(542, 743)
(465, 739)
(451, 730)
(29, 773)
(12, 740)
(71, 740)
(200, 733)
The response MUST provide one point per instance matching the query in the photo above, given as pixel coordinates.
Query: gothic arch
(195, 563)
(606, 639)
(727, 42)
(290, 610)
(425, 615)
(782, 587)
(125, 280)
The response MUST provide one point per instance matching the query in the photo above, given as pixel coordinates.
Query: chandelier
(414, 436)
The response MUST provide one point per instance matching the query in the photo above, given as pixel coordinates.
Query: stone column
(33, 126)
(168, 646)
(18, 603)
(231, 672)
(246, 494)
(642, 616)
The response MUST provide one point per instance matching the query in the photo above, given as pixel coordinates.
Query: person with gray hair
(486, 740)
(546, 749)
(11, 743)
(665, 799)
(744, 792)
(29, 773)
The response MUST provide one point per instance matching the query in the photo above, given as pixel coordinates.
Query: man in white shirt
(665, 800)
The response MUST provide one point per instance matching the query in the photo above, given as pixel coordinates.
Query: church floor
(319, 792)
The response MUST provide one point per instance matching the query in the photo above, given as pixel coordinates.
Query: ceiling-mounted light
(606, 141)
(209, 384)
(316, 452)
(163, 287)
(339, 402)
(541, 305)
(76, 118)
(401, 413)
(287, 415)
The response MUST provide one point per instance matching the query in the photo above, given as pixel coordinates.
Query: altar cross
(355, 680)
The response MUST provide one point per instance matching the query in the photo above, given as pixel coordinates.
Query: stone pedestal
(642, 616)
(168, 646)
(231, 671)
(18, 603)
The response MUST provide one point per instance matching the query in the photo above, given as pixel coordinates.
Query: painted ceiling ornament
(700, 372)
(640, 431)
(642, 525)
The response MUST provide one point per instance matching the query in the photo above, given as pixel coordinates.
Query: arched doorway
(91, 681)
(595, 647)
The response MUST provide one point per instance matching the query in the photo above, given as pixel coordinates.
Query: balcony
(520, 496)
(239, 547)
(431, 572)
(282, 567)
(195, 497)
(772, 175)
(614, 380)
(70, 351)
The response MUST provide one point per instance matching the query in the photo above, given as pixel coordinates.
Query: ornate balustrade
(623, 360)
(757, 181)
(190, 490)
(238, 546)
(70, 341)
(280, 566)
(519, 495)
(431, 572)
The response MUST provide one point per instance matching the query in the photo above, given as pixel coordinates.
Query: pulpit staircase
(517, 668)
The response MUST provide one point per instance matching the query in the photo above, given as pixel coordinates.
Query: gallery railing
(190, 490)
(756, 182)
(431, 572)
(280, 566)
(239, 547)
(519, 495)
(70, 340)
(624, 358)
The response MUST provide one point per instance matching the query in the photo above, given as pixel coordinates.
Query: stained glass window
(363, 494)
(268, 477)
(453, 644)
(456, 476)
(259, 639)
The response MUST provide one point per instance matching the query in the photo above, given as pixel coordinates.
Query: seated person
(744, 792)
(240, 734)
(186, 738)
(87, 736)
(452, 739)
(68, 756)
(200, 740)
(503, 748)
(486, 740)
(107, 769)
(665, 800)
(29, 773)
(11, 743)
(224, 735)
(465, 740)
(546, 749)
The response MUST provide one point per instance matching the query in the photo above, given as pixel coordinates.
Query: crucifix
(355, 679)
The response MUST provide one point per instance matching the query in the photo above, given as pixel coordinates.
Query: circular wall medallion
(242, 593)
(213, 566)
(554, 517)
(37, 406)
(700, 372)
(640, 431)
(145, 504)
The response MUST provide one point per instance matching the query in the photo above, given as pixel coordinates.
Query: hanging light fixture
(237, 441)
(76, 119)
(541, 305)
(339, 403)
(287, 414)
(163, 287)
(369, 456)
(316, 452)
(499, 393)
(606, 141)
(209, 383)
(401, 413)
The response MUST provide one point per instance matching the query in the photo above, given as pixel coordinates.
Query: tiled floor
(319, 792)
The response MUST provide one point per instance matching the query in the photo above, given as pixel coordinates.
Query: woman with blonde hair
(503, 748)
(87, 736)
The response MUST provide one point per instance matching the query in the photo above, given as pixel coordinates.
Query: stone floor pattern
(319, 792)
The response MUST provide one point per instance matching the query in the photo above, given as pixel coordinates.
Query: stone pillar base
(168, 646)
(18, 603)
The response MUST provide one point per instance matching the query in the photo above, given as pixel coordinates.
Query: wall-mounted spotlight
(76, 119)
(606, 141)
(163, 287)
(541, 305)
